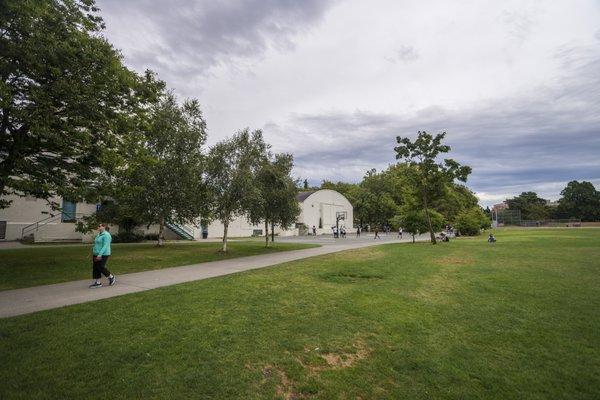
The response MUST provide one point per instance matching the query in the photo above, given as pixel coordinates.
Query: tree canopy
(580, 200)
(277, 204)
(531, 206)
(429, 178)
(231, 169)
(66, 100)
(161, 178)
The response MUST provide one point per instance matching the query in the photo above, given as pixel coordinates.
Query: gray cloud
(538, 142)
(404, 54)
(190, 37)
(517, 90)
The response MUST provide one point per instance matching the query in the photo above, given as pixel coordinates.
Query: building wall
(324, 205)
(25, 211)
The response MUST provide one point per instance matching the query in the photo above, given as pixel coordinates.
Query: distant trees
(381, 196)
(428, 177)
(579, 200)
(531, 206)
(471, 221)
(67, 100)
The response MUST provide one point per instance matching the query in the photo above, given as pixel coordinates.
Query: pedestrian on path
(377, 233)
(100, 254)
(400, 231)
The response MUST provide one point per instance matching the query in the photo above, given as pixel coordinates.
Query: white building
(30, 217)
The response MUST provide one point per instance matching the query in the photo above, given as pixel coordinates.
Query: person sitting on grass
(491, 238)
(443, 237)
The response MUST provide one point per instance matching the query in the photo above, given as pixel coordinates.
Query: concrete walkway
(38, 298)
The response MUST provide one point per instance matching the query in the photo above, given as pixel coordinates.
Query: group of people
(342, 231)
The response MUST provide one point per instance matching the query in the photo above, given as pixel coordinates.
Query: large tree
(232, 167)
(160, 180)
(278, 203)
(427, 176)
(66, 99)
(580, 200)
(532, 206)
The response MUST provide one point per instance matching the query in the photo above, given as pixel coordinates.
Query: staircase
(54, 221)
(181, 231)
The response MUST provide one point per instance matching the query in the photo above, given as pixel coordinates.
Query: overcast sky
(515, 84)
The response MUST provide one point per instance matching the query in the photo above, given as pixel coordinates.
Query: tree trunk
(161, 229)
(272, 232)
(431, 233)
(413, 235)
(266, 233)
(225, 227)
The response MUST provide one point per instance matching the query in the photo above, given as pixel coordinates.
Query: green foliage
(127, 237)
(429, 179)
(277, 204)
(471, 222)
(580, 200)
(66, 100)
(531, 206)
(455, 199)
(160, 179)
(415, 220)
(232, 167)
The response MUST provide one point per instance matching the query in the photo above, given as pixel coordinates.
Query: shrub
(151, 236)
(470, 222)
(127, 237)
(414, 221)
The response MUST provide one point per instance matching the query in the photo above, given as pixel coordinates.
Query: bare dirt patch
(285, 387)
(337, 360)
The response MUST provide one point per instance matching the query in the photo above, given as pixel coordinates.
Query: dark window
(2, 229)
(69, 210)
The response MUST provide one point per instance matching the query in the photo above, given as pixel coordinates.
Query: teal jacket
(102, 244)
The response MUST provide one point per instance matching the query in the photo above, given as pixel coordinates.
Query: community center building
(34, 219)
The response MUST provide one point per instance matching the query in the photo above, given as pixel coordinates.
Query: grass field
(519, 319)
(43, 265)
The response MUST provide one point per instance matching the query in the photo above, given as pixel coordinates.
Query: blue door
(69, 210)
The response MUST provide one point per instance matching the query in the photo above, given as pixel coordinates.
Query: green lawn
(519, 319)
(43, 265)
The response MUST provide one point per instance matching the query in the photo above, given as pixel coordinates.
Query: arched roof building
(321, 208)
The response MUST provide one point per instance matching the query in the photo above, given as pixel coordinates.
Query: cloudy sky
(515, 84)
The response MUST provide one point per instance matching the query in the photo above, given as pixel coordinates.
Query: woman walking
(100, 254)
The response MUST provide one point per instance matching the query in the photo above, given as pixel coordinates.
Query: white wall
(25, 211)
(321, 204)
(325, 204)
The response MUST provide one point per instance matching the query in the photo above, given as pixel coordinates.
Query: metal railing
(48, 220)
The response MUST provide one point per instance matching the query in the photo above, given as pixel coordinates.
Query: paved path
(38, 298)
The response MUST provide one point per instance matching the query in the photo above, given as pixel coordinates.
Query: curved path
(38, 298)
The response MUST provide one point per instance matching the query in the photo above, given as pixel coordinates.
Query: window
(69, 211)
(2, 229)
